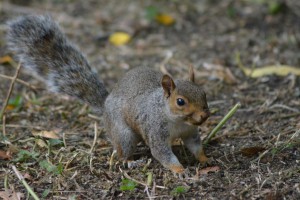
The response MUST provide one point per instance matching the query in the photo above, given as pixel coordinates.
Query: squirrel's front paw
(176, 168)
(202, 157)
(185, 174)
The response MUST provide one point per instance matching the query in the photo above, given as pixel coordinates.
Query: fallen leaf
(165, 19)
(11, 195)
(251, 151)
(41, 143)
(279, 70)
(209, 169)
(119, 38)
(46, 134)
(5, 155)
(6, 59)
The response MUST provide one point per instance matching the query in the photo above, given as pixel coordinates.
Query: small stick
(64, 140)
(23, 126)
(221, 123)
(95, 137)
(9, 92)
(139, 182)
(19, 81)
(111, 160)
(28, 188)
(3, 124)
(168, 56)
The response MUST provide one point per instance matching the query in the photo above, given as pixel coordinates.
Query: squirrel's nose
(201, 115)
(205, 114)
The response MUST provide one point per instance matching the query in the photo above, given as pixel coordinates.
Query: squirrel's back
(137, 81)
(44, 50)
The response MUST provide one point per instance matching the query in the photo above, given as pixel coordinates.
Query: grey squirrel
(144, 105)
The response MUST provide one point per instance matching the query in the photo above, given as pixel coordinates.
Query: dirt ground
(254, 156)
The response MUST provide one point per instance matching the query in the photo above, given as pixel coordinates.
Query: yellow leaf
(119, 38)
(5, 59)
(10, 107)
(165, 19)
(279, 70)
(46, 134)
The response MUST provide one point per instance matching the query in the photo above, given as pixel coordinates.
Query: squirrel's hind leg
(124, 140)
(194, 145)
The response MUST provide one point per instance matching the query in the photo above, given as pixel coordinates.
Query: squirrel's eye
(180, 102)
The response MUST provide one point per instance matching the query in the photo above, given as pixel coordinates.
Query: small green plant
(179, 190)
(24, 155)
(127, 185)
(51, 168)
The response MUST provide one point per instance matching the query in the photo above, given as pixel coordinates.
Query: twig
(95, 137)
(64, 140)
(147, 165)
(23, 126)
(94, 117)
(19, 81)
(139, 182)
(111, 160)
(221, 123)
(3, 124)
(284, 107)
(285, 116)
(28, 188)
(168, 56)
(2, 113)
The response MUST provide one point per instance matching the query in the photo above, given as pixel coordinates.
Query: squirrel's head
(186, 100)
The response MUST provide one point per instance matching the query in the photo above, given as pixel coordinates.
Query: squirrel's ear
(167, 84)
(191, 73)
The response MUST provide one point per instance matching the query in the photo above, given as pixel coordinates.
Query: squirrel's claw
(183, 175)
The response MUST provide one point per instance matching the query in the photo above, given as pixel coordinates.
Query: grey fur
(137, 109)
(44, 50)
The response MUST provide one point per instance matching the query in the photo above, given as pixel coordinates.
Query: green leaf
(179, 190)
(55, 142)
(127, 185)
(275, 7)
(45, 193)
(24, 155)
(151, 12)
(59, 169)
(51, 168)
(15, 103)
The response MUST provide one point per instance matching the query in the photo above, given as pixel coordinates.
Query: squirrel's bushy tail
(45, 51)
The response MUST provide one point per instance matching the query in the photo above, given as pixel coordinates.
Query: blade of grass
(28, 188)
(221, 123)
